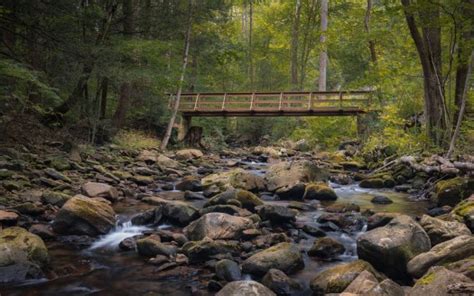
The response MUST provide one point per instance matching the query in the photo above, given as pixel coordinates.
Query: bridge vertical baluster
(281, 100)
(223, 101)
(196, 102)
(310, 101)
(340, 100)
(251, 101)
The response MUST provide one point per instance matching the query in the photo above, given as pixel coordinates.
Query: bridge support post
(184, 127)
(364, 123)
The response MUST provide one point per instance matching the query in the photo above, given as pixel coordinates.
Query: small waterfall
(121, 232)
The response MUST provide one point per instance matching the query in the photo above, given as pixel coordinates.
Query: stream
(103, 269)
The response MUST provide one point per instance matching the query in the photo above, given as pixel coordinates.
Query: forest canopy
(99, 66)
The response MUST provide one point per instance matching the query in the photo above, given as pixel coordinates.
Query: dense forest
(107, 186)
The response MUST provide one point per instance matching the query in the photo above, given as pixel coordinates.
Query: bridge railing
(271, 101)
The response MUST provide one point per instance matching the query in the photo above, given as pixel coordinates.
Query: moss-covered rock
(450, 192)
(247, 288)
(23, 255)
(176, 211)
(245, 198)
(319, 191)
(449, 251)
(287, 178)
(439, 230)
(55, 198)
(336, 279)
(84, 216)
(203, 250)
(236, 178)
(151, 246)
(372, 183)
(218, 226)
(464, 213)
(283, 256)
(438, 281)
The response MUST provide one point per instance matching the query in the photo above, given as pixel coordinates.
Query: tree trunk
(466, 35)
(250, 49)
(323, 57)
(308, 42)
(122, 107)
(126, 86)
(187, 41)
(462, 107)
(103, 99)
(373, 55)
(294, 45)
(428, 46)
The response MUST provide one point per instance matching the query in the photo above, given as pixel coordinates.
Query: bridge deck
(331, 103)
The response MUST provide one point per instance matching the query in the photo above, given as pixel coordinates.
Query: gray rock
(440, 231)
(218, 226)
(228, 270)
(446, 252)
(245, 288)
(389, 248)
(283, 256)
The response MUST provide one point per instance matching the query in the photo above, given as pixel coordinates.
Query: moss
(372, 183)
(320, 191)
(463, 209)
(450, 192)
(248, 199)
(426, 279)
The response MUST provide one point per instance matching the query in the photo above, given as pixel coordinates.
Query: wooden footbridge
(294, 103)
(260, 104)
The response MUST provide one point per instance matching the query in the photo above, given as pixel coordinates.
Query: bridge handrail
(283, 100)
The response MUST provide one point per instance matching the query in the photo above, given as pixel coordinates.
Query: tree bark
(187, 41)
(462, 107)
(323, 57)
(103, 99)
(465, 37)
(428, 45)
(250, 49)
(294, 45)
(126, 86)
(373, 54)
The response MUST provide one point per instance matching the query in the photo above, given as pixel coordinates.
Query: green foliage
(135, 140)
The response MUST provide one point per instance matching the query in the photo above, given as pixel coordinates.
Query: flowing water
(103, 269)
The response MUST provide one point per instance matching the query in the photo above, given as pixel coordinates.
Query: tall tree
(428, 45)
(368, 11)
(128, 8)
(323, 57)
(294, 45)
(187, 41)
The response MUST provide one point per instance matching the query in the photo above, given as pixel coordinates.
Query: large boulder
(236, 178)
(287, 178)
(228, 270)
(247, 199)
(450, 192)
(319, 191)
(203, 250)
(389, 248)
(84, 216)
(283, 256)
(188, 154)
(367, 284)
(94, 189)
(189, 183)
(276, 213)
(464, 213)
(245, 288)
(326, 248)
(439, 230)
(440, 281)
(176, 211)
(151, 246)
(336, 279)
(453, 250)
(280, 283)
(218, 226)
(23, 255)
